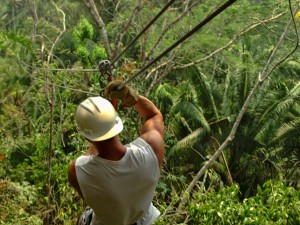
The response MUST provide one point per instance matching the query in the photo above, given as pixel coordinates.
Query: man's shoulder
(156, 141)
(139, 141)
(153, 138)
(82, 160)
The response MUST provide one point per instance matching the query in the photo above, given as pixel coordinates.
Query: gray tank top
(120, 192)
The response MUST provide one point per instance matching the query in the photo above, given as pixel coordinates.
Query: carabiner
(106, 72)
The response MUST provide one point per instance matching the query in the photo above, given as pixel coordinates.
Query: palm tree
(193, 129)
(203, 110)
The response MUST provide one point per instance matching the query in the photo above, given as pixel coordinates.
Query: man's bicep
(72, 174)
(155, 123)
(155, 140)
(73, 178)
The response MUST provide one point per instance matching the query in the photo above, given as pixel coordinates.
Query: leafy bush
(83, 30)
(17, 204)
(274, 203)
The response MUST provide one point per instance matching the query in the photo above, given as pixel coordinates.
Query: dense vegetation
(229, 94)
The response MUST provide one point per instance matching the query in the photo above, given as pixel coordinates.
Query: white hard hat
(97, 119)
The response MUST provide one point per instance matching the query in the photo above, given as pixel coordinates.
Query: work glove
(128, 96)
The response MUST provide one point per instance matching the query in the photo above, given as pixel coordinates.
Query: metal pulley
(105, 70)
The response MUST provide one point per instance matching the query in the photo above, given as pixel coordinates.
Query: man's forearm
(153, 118)
(146, 109)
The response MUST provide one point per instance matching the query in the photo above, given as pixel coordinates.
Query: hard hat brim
(115, 130)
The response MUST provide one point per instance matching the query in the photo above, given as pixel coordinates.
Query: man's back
(120, 192)
(116, 197)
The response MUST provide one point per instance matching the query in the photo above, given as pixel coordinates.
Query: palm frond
(291, 67)
(178, 126)
(165, 96)
(282, 108)
(296, 109)
(278, 110)
(187, 92)
(287, 129)
(295, 92)
(11, 40)
(188, 141)
(205, 92)
(192, 113)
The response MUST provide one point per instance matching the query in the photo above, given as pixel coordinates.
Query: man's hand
(128, 96)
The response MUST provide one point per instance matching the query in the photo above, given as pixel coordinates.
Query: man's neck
(111, 149)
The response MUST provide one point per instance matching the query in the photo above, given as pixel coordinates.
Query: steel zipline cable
(143, 31)
(126, 48)
(53, 84)
(187, 35)
(206, 20)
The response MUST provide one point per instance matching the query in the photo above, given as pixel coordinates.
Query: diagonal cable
(143, 31)
(187, 35)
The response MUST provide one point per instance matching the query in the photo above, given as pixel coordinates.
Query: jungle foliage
(49, 55)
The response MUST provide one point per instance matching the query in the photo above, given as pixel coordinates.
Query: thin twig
(235, 38)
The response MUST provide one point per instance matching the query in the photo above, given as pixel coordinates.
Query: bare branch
(50, 95)
(34, 16)
(129, 22)
(187, 9)
(60, 34)
(264, 73)
(90, 4)
(241, 33)
(168, 68)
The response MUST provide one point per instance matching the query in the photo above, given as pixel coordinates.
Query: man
(118, 181)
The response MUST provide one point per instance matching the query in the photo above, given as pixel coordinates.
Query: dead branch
(90, 4)
(50, 95)
(186, 10)
(168, 68)
(32, 7)
(129, 22)
(59, 36)
(235, 38)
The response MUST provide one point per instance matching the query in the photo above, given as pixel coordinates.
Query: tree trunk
(90, 4)
(34, 16)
